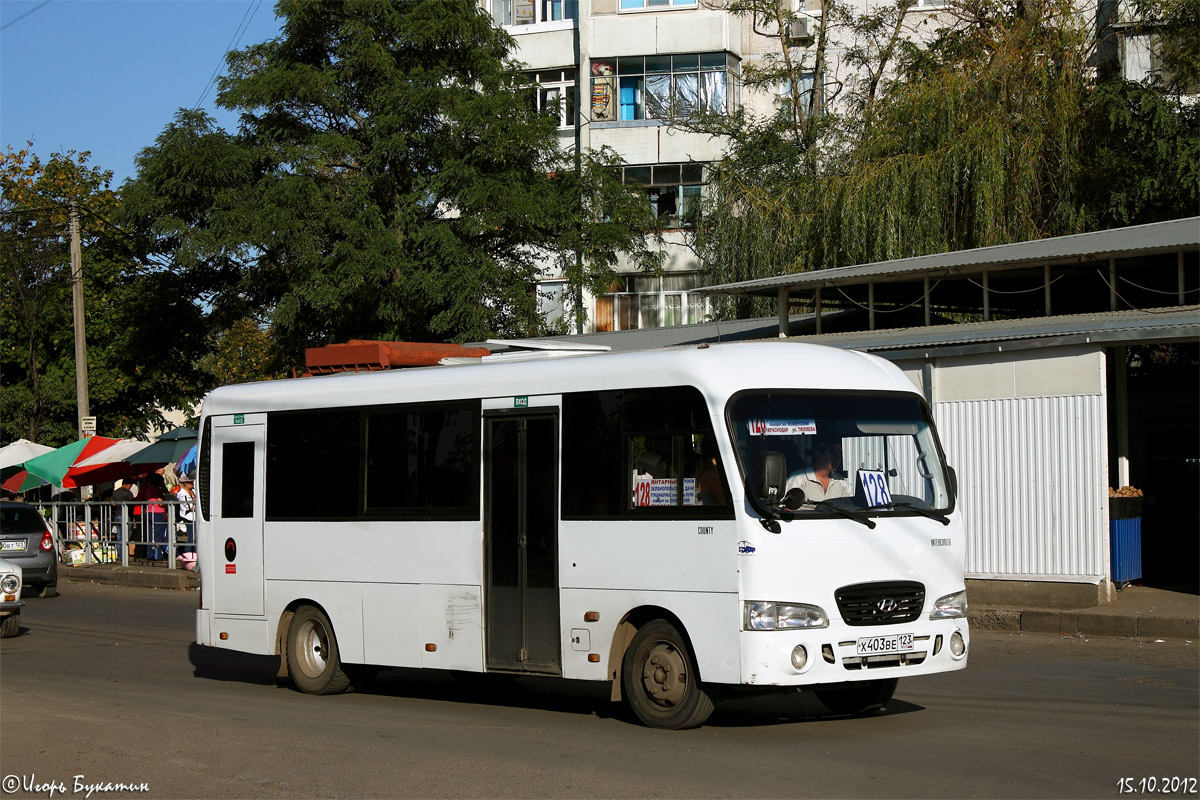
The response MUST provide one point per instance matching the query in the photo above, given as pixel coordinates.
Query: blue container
(1125, 543)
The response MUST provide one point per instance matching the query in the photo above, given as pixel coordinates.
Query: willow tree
(974, 138)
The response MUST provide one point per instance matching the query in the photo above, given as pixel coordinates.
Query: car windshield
(872, 452)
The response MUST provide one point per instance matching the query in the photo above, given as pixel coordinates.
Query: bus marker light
(591, 616)
(594, 658)
(224, 636)
(430, 647)
(231, 569)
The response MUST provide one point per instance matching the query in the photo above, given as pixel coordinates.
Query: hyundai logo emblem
(887, 605)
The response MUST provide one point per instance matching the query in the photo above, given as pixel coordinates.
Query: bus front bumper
(842, 653)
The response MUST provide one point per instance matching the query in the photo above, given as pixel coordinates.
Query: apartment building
(618, 69)
(632, 62)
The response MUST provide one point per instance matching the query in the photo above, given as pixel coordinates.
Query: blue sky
(108, 75)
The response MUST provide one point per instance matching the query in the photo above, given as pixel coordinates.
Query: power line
(9, 24)
(234, 41)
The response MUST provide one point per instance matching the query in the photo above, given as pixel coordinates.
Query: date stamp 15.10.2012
(1160, 785)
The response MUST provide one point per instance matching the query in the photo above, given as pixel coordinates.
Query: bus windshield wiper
(925, 512)
(845, 512)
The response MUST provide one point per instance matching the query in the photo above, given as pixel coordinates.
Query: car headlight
(772, 616)
(10, 583)
(951, 606)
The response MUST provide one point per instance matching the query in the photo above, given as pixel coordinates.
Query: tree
(139, 326)
(992, 131)
(391, 179)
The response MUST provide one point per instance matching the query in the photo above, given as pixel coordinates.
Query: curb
(146, 577)
(1087, 623)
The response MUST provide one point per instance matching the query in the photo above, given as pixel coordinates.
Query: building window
(651, 301)
(675, 190)
(655, 5)
(555, 94)
(662, 87)
(530, 12)
(802, 98)
(551, 297)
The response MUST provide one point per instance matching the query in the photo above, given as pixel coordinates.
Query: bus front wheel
(312, 654)
(855, 699)
(660, 681)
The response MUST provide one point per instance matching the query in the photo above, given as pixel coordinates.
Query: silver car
(10, 599)
(27, 541)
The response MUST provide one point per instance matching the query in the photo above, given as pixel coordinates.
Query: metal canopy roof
(1139, 240)
(1105, 328)
(1173, 324)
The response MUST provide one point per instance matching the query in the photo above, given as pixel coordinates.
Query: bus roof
(717, 370)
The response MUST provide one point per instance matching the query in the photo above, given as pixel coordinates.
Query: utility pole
(81, 374)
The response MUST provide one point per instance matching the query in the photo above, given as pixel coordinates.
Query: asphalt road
(105, 683)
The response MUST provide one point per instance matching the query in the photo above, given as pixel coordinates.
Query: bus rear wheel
(312, 654)
(858, 698)
(660, 681)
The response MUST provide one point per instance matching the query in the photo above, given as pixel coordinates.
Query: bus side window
(632, 452)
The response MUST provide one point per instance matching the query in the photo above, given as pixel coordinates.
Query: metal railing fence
(103, 532)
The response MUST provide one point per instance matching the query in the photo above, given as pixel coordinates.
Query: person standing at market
(187, 514)
(121, 495)
(154, 488)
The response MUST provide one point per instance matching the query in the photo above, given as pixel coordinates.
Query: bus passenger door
(239, 443)
(521, 541)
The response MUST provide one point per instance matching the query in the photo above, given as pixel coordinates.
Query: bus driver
(820, 482)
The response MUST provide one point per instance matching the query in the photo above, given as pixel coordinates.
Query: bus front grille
(881, 603)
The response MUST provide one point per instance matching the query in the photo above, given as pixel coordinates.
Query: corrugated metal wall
(1033, 477)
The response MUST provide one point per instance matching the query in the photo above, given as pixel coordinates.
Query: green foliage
(993, 133)
(1143, 164)
(143, 332)
(390, 180)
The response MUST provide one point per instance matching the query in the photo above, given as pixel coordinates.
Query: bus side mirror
(793, 499)
(772, 476)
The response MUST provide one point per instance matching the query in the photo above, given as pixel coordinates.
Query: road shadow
(590, 698)
(791, 708)
(217, 664)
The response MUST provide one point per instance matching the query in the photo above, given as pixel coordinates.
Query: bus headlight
(952, 606)
(772, 616)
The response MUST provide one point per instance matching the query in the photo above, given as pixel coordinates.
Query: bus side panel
(376, 552)
(342, 602)
(684, 555)
(391, 633)
(709, 619)
(452, 620)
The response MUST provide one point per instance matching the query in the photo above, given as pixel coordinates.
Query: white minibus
(681, 523)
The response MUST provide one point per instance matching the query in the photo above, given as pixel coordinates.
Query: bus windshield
(869, 453)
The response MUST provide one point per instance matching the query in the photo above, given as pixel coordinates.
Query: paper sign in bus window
(782, 427)
(875, 488)
(662, 492)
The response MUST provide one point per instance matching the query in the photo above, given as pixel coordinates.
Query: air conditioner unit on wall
(799, 29)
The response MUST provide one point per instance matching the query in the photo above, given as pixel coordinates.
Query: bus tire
(660, 680)
(858, 698)
(312, 654)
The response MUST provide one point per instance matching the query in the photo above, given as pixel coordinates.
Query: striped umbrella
(53, 467)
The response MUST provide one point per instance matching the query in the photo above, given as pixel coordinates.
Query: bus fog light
(957, 645)
(799, 657)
